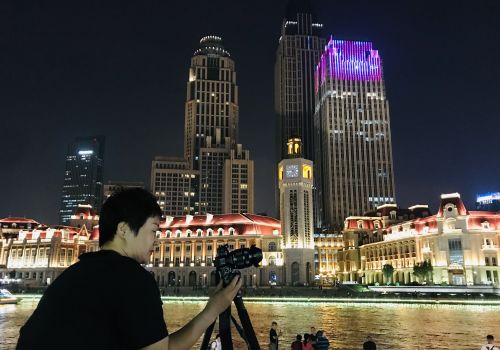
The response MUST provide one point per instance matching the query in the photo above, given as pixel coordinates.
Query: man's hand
(222, 297)
(186, 337)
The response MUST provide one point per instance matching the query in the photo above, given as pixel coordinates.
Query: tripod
(245, 330)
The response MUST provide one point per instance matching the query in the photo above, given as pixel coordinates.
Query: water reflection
(393, 326)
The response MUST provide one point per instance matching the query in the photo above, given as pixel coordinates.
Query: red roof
(85, 210)
(19, 220)
(242, 224)
(457, 201)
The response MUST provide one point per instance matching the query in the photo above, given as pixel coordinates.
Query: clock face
(292, 171)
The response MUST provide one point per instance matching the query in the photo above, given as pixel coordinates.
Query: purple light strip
(349, 60)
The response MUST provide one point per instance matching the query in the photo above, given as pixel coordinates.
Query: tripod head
(227, 263)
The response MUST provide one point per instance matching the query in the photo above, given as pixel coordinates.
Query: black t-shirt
(273, 336)
(104, 301)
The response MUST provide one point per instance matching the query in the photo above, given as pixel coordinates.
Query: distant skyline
(119, 69)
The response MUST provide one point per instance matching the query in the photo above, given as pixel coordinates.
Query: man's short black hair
(298, 337)
(130, 205)
(490, 337)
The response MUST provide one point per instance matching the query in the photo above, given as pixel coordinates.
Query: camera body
(228, 263)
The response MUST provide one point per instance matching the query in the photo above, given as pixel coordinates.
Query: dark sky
(119, 68)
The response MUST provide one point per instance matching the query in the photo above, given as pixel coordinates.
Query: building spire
(299, 6)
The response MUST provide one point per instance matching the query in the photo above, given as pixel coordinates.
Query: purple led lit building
(353, 150)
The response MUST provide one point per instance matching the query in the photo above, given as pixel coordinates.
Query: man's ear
(122, 229)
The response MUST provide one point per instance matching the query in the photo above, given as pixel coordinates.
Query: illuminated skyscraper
(353, 152)
(212, 100)
(295, 176)
(210, 140)
(82, 176)
(238, 182)
(299, 49)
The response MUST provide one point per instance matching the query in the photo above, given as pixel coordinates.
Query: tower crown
(211, 45)
(294, 147)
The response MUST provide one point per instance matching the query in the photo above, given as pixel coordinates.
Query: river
(393, 326)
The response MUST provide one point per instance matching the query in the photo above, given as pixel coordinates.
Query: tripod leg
(240, 330)
(246, 323)
(225, 329)
(206, 337)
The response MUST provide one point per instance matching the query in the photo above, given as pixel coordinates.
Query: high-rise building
(238, 182)
(82, 176)
(354, 152)
(112, 186)
(299, 50)
(210, 140)
(295, 176)
(174, 185)
(212, 100)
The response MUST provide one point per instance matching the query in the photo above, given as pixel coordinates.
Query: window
(456, 252)
(272, 246)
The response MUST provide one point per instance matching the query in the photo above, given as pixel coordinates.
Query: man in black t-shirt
(107, 300)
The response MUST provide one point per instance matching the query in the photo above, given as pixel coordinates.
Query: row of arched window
(198, 233)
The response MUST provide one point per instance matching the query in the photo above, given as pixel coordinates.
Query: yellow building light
(306, 171)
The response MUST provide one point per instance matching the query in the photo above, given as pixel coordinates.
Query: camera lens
(246, 257)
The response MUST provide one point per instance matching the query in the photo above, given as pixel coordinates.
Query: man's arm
(187, 336)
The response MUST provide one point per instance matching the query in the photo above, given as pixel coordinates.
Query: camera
(227, 263)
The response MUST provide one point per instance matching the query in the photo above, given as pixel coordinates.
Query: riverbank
(324, 300)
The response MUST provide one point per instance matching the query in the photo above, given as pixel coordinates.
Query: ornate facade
(461, 245)
(183, 255)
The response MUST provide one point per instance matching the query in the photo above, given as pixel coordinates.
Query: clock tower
(295, 176)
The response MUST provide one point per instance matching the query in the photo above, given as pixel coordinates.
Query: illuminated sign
(487, 198)
(84, 153)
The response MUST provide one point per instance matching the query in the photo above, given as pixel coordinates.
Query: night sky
(119, 68)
